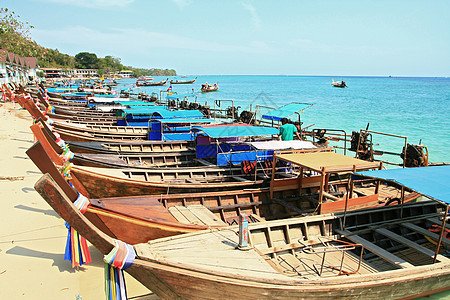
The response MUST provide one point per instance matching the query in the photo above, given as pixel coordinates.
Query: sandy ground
(32, 235)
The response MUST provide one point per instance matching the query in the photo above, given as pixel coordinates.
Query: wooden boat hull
(210, 90)
(136, 132)
(173, 276)
(183, 82)
(172, 282)
(145, 161)
(129, 147)
(74, 136)
(150, 83)
(101, 185)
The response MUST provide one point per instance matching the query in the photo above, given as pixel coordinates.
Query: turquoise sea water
(417, 108)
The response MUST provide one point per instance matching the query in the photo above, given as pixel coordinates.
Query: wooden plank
(205, 215)
(238, 178)
(258, 218)
(410, 244)
(395, 260)
(423, 231)
(290, 207)
(178, 215)
(189, 215)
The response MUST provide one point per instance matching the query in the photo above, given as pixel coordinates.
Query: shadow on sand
(48, 212)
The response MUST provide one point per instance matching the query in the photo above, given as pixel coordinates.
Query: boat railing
(320, 133)
(329, 246)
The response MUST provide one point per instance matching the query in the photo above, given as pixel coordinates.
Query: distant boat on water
(183, 82)
(209, 87)
(339, 84)
(151, 83)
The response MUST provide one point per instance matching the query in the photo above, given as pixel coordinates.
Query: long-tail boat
(151, 83)
(210, 87)
(43, 133)
(183, 81)
(389, 252)
(173, 211)
(339, 84)
(130, 147)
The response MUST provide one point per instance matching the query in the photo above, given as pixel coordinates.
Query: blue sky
(373, 38)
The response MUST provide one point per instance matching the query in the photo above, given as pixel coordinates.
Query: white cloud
(255, 19)
(137, 41)
(92, 3)
(182, 3)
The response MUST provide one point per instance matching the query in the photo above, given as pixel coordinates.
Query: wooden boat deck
(195, 214)
(294, 248)
(207, 264)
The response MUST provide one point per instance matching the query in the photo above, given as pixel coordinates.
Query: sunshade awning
(237, 131)
(143, 110)
(282, 145)
(285, 111)
(183, 120)
(432, 182)
(137, 103)
(167, 114)
(331, 161)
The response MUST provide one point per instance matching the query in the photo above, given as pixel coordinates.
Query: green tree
(86, 60)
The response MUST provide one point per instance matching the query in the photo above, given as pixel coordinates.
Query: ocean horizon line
(291, 75)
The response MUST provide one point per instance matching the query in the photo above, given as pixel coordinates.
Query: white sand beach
(32, 235)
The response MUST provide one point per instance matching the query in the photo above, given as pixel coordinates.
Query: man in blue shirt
(287, 130)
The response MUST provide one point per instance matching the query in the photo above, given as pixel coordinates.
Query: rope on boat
(120, 258)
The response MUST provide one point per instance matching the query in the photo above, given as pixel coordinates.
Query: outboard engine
(232, 111)
(416, 156)
(171, 103)
(320, 136)
(364, 151)
(154, 97)
(193, 105)
(205, 109)
(184, 104)
(247, 117)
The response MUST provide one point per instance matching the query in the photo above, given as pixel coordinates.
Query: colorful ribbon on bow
(67, 155)
(65, 170)
(120, 258)
(77, 250)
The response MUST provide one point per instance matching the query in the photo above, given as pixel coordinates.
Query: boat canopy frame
(324, 162)
(431, 182)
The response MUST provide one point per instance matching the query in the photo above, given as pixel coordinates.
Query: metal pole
(442, 233)
(322, 183)
(403, 200)
(349, 184)
(404, 153)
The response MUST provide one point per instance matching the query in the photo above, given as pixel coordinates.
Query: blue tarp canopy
(432, 182)
(183, 120)
(168, 114)
(143, 111)
(178, 96)
(137, 103)
(285, 111)
(237, 131)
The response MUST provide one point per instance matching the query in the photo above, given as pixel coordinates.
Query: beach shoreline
(32, 235)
